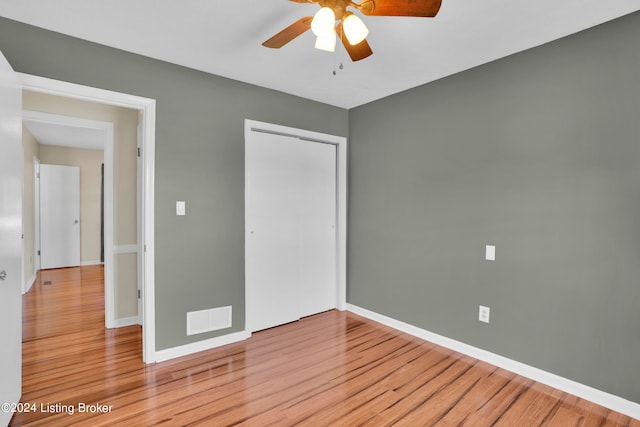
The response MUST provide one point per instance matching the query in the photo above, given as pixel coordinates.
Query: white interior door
(59, 216)
(10, 238)
(290, 229)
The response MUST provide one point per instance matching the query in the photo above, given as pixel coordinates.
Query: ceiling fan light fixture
(327, 42)
(354, 29)
(323, 22)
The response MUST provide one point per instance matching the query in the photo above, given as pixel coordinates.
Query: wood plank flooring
(334, 368)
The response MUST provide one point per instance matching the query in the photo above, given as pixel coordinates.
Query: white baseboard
(602, 398)
(126, 321)
(184, 350)
(30, 283)
(85, 263)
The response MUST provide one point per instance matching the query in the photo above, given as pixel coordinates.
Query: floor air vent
(208, 320)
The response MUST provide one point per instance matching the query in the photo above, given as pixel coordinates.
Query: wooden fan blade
(419, 8)
(357, 52)
(289, 33)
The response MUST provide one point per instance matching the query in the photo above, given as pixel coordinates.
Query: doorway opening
(67, 142)
(144, 247)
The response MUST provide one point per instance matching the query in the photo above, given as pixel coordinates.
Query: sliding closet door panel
(272, 253)
(290, 229)
(317, 244)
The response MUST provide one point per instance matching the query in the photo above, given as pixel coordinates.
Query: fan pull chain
(335, 54)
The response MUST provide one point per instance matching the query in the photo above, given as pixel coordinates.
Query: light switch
(180, 208)
(490, 253)
(483, 314)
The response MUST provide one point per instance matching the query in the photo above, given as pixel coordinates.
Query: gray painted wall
(199, 159)
(539, 154)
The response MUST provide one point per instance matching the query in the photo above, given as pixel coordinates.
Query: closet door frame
(251, 128)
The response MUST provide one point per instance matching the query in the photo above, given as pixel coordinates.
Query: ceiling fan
(350, 29)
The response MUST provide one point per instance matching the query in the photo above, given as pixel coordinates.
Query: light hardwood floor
(334, 368)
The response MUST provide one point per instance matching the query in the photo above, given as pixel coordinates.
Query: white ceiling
(64, 133)
(224, 37)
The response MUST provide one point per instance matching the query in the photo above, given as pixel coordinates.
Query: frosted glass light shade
(354, 29)
(323, 22)
(327, 42)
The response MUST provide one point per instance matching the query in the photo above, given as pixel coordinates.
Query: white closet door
(317, 216)
(59, 216)
(290, 229)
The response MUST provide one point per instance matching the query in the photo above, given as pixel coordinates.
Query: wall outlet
(483, 314)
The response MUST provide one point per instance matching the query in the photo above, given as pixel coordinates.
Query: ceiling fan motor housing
(339, 6)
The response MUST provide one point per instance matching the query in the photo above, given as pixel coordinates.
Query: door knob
(3, 275)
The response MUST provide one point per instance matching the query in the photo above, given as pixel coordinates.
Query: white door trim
(140, 211)
(341, 152)
(146, 247)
